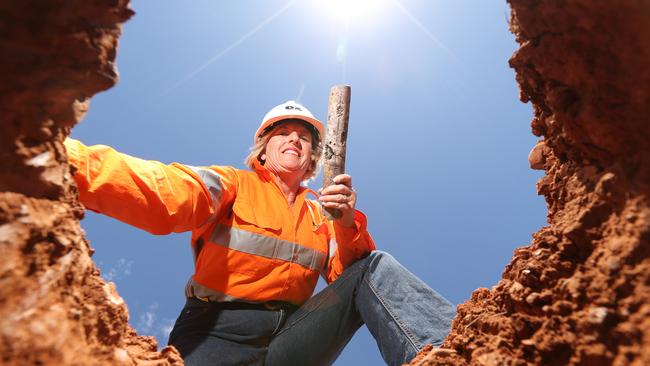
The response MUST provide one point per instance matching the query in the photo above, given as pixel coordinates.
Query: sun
(352, 11)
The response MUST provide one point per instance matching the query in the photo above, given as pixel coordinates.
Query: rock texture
(580, 293)
(54, 307)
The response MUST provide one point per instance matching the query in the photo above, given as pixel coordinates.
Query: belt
(240, 305)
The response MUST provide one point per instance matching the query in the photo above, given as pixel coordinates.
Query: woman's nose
(293, 136)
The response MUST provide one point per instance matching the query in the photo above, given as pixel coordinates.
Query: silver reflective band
(265, 246)
(333, 247)
(212, 181)
(193, 289)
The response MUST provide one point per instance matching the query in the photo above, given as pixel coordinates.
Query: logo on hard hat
(289, 110)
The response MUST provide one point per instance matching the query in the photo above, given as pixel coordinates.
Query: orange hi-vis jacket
(248, 243)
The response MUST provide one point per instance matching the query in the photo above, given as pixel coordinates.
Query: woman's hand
(340, 196)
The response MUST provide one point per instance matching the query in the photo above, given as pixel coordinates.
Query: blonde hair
(259, 147)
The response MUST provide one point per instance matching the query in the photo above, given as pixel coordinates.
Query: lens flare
(352, 11)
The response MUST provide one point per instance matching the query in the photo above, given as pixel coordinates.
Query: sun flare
(352, 11)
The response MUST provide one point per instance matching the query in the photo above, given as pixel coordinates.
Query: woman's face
(289, 149)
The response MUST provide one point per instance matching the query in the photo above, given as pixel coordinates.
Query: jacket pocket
(254, 219)
(256, 229)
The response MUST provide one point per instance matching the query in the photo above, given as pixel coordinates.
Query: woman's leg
(402, 313)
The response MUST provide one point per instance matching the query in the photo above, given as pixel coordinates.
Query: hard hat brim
(318, 126)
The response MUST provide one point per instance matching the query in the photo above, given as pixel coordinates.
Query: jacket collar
(261, 171)
(266, 175)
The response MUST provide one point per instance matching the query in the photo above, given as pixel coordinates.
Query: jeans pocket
(193, 312)
(282, 316)
(195, 318)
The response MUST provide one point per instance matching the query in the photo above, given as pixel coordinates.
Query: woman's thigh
(317, 332)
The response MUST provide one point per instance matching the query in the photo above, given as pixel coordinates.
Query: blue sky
(437, 144)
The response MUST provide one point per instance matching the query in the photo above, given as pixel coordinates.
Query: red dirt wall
(580, 293)
(54, 307)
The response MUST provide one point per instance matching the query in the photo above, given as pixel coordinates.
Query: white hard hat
(289, 110)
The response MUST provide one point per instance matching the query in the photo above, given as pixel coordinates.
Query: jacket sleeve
(347, 245)
(150, 195)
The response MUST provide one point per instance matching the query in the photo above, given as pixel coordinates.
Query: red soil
(54, 307)
(580, 293)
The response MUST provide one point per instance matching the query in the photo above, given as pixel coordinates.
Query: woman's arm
(150, 195)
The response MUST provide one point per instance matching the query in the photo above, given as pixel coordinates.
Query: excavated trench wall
(580, 293)
(54, 307)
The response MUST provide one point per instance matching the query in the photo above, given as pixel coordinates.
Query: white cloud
(121, 269)
(166, 326)
(147, 319)
(150, 324)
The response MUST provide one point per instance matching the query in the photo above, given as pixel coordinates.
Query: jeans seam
(280, 321)
(335, 285)
(397, 320)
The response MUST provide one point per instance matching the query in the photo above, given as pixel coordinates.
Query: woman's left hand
(340, 196)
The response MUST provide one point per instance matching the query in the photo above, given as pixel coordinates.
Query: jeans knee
(381, 259)
(380, 255)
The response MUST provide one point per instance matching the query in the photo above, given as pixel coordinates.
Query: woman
(259, 246)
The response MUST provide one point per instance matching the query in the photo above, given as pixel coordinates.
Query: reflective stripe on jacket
(248, 243)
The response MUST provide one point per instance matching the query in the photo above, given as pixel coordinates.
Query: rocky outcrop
(54, 307)
(580, 293)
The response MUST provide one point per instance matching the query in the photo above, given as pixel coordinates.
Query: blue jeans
(401, 312)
